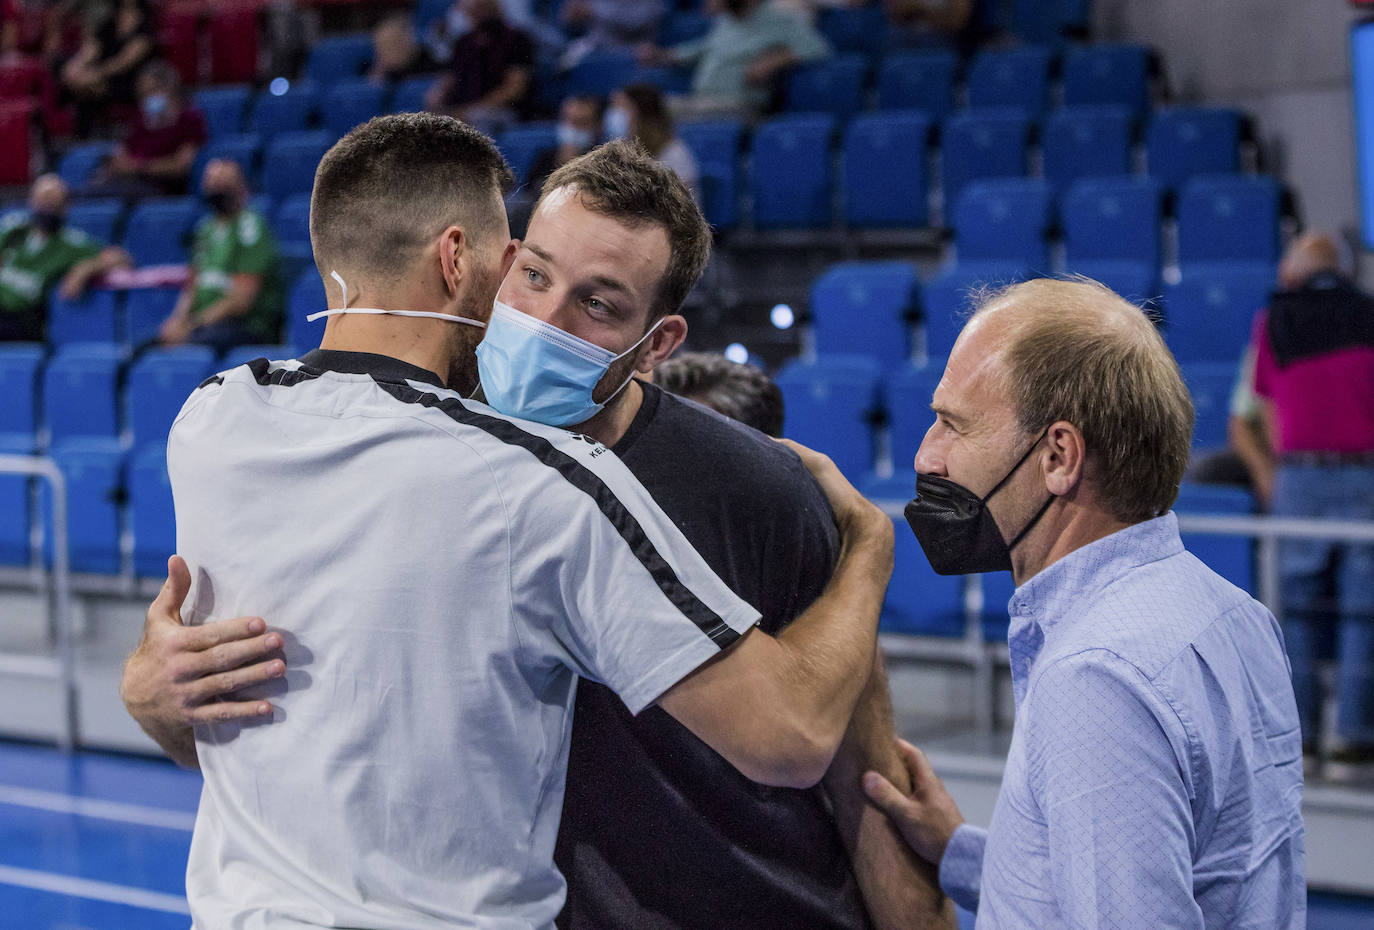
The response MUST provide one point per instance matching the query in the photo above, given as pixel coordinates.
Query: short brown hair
(1079, 352)
(740, 392)
(621, 180)
(385, 190)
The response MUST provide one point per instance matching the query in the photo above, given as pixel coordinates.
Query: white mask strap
(378, 311)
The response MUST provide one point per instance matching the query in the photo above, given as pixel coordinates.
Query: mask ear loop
(630, 376)
(342, 286)
(1019, 462)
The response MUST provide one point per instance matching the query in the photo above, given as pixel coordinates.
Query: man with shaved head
(1154, 775)
(1314, 376)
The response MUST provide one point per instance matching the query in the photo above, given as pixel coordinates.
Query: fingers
(884, 794)
(224, 711)
(166, 607)
(204, 690)
(209, 635)
(922, 772)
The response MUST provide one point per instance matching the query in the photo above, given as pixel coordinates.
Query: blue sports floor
(99, 842)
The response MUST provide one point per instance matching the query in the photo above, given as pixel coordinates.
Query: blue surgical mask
(154, 105)
(617, 123)
(569, 135)
(536, 371)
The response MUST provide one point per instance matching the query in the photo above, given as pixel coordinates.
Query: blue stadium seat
(1210, 384)
(866, 308)
(1231, 557)
(350, 103)
(830, 403)
(334, 59)
(409, 96)
(918, 602)
(1012, 77)
(716, 147)
(1112, 218)
(832, 85)
(683, 26)
(1004, 220)
(1185, 141)
(790, 172)
(1047, 22)
(291, 224)
(305, 297)
(80, 162)
(242, 355)
(291, 111)
(1228, 217)
(946, 297)
(145, 309)
(982, 144)
(289, 164)
(92, 317)
(152, 521)
(245, 149)
(79, 391)
(600, 73)
(997, 591)
(1118, 74)
(908, 391)
(1138, 282)
(94, 472)
(522, 146)
(1208, 314)
(885, 170)
(1086, 141)
(157, 385)
(669, 79)
(224, 108)
(21, 364)
(15, 517)
(158, 232)
(918, 81)
(860, 30)
(96, 218)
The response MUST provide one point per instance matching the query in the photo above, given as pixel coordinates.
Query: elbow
(792, 756)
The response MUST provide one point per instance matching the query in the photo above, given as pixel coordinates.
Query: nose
(930, 459)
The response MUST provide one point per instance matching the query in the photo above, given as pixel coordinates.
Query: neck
(425, 343)
(610, 425)
(1066, 526)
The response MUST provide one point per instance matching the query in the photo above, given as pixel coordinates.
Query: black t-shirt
(483, 57)
(658, 830)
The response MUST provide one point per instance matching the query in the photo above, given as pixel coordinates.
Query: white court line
(104, 810)
(93, 890)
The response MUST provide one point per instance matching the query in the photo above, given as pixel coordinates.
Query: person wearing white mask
(156, 157)
(638, 111)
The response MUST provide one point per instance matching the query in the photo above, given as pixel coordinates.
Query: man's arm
(176, 165)
(79, 276)
(236, 301)
(1249, 438)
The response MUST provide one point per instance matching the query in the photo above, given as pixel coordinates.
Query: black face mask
(46, 223)
(221, 202)
(955, 528)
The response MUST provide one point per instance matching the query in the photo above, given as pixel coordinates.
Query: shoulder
(77, 238)
(251, 228)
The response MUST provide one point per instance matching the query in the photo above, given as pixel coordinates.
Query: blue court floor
(94, 841)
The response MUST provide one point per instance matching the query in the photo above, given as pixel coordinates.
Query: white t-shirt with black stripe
(442, 574)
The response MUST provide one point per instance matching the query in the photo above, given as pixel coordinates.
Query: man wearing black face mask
(235, 293)
(39, 252)
(1154, 777)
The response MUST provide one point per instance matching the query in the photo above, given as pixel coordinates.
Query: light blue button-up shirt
(1155, 772)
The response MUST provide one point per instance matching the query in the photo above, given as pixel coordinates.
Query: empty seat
(93, 472)
(98, 219)
(305, 297)
(79, 390)
(523, 145)
(790, 172)
(21, 364)
(1048, 22)
(1117, 74)
(683, 26)
(982, 144)
(157, 385)
(1209, 312)
(1084, 142)
(244, 149)
(409, 96)
(918, 81)
(600, 73)
(92, 317)
(946, 298)
(1210, 384)
(145, 309)
(80, 161)
(918, 601)
(831, 85)
(335, 59)
(1228, 216)
(351, 103)
(1004, 220)
(14, 501)
(291, 111)
(1013, 77)
(716, 145)
(158, 232)
(1138, 282)
(289, 164)
(1112, 218)
(1231, 557)
(854, 30)
(909, 390)
(866, 308)
(885, 170)
(291, 224)
(1185, 141)
(241, 355)
(224, 108)
(152, 522)
(831, 404)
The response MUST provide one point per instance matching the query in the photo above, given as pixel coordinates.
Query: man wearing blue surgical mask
(156, 157)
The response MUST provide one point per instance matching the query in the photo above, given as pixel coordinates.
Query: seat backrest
(885, 169)
(94, 472)
(157, 386)
(1209, 313)
(1118, 74)
(1086, 141)
(98, 219)
(351, 103)
(830, 403)
(832, 85)
(866, 308)
(975, 145)
(152, 521)
(92, 317)
(290, 162)
(1004, 219)
(1210, 384)
(224, 108)
(715, 144)
(339, 58)
(158, 232)
(79, 391)
(290, 111)
(1112, 218)
(1185, 141)
(1016, 77)
(523, 145)
(1226, 217)
(791, 175)
(918, 81)
(21, 366)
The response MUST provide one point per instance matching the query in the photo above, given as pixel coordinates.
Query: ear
(508, 257)
(671, 332)
(453, 257)
(1067, 452)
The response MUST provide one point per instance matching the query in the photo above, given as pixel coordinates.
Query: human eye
(534, 276)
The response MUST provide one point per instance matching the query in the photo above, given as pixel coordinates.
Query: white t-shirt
(441, 574)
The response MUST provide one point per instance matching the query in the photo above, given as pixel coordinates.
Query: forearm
(178, 744)
(1252, 448)
(507, 93)
(227, 307)
(175, 165)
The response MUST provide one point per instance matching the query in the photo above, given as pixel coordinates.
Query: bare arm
(176, 165)
(1252, 440)
(236, 301)
(505, 94)
(79, 276)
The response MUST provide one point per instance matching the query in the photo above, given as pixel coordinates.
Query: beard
(462, 369)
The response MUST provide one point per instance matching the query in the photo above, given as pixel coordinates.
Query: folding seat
(224, 108)
(918, 602)
(93, 470)
(885, 170)
(305, 297)
(908, 390)
(152, 522)
(946, 299)
(291, 224)
(1112, 218)
(244, 149)
(1117, 74)
(1014, 77)
(1228, 217)
(1086, 141)
(335, 59)
(145, 309)
(1004, 220)
(409, 96)
(918, 81)
(715, 144)
(233, 32)
(21, 365)
(15, 518)
(80, 386)
(1185, 141)
(982, 144)
(242, 355)
(831, 404)
(1210, 384)
(157, 386)
(1209, 313)
(860, 30)
(291, 111)
(1047, 22)
(866, 308)
(523, 145)
(288, 167)
(600, 73)
(80, 162)
(1136, 281)
(158, 232)
(92, 317)
(98, 219)
(351, 103)
(832, 85)
(790, 172)
(1231, 557)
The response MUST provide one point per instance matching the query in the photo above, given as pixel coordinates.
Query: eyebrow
(609, 283)
(942, 411)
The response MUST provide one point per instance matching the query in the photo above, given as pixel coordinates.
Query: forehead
(587, 243)
(973, 386)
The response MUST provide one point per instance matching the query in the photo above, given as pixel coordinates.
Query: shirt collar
(381, 367)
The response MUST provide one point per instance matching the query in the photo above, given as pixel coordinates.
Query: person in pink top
(1314, 374)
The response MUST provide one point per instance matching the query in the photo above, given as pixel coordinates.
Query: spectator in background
(741, 60)
(155, 159)
(38, 252)
(639, 112)
(491, 72)
(235, 293)
(609, 25)
(118, 39)
(1314, 371)
(740, 392)
(49, 30)
(579, 129)
(811, 9)
(925, 23)
(1247, 461)
(396, 55)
